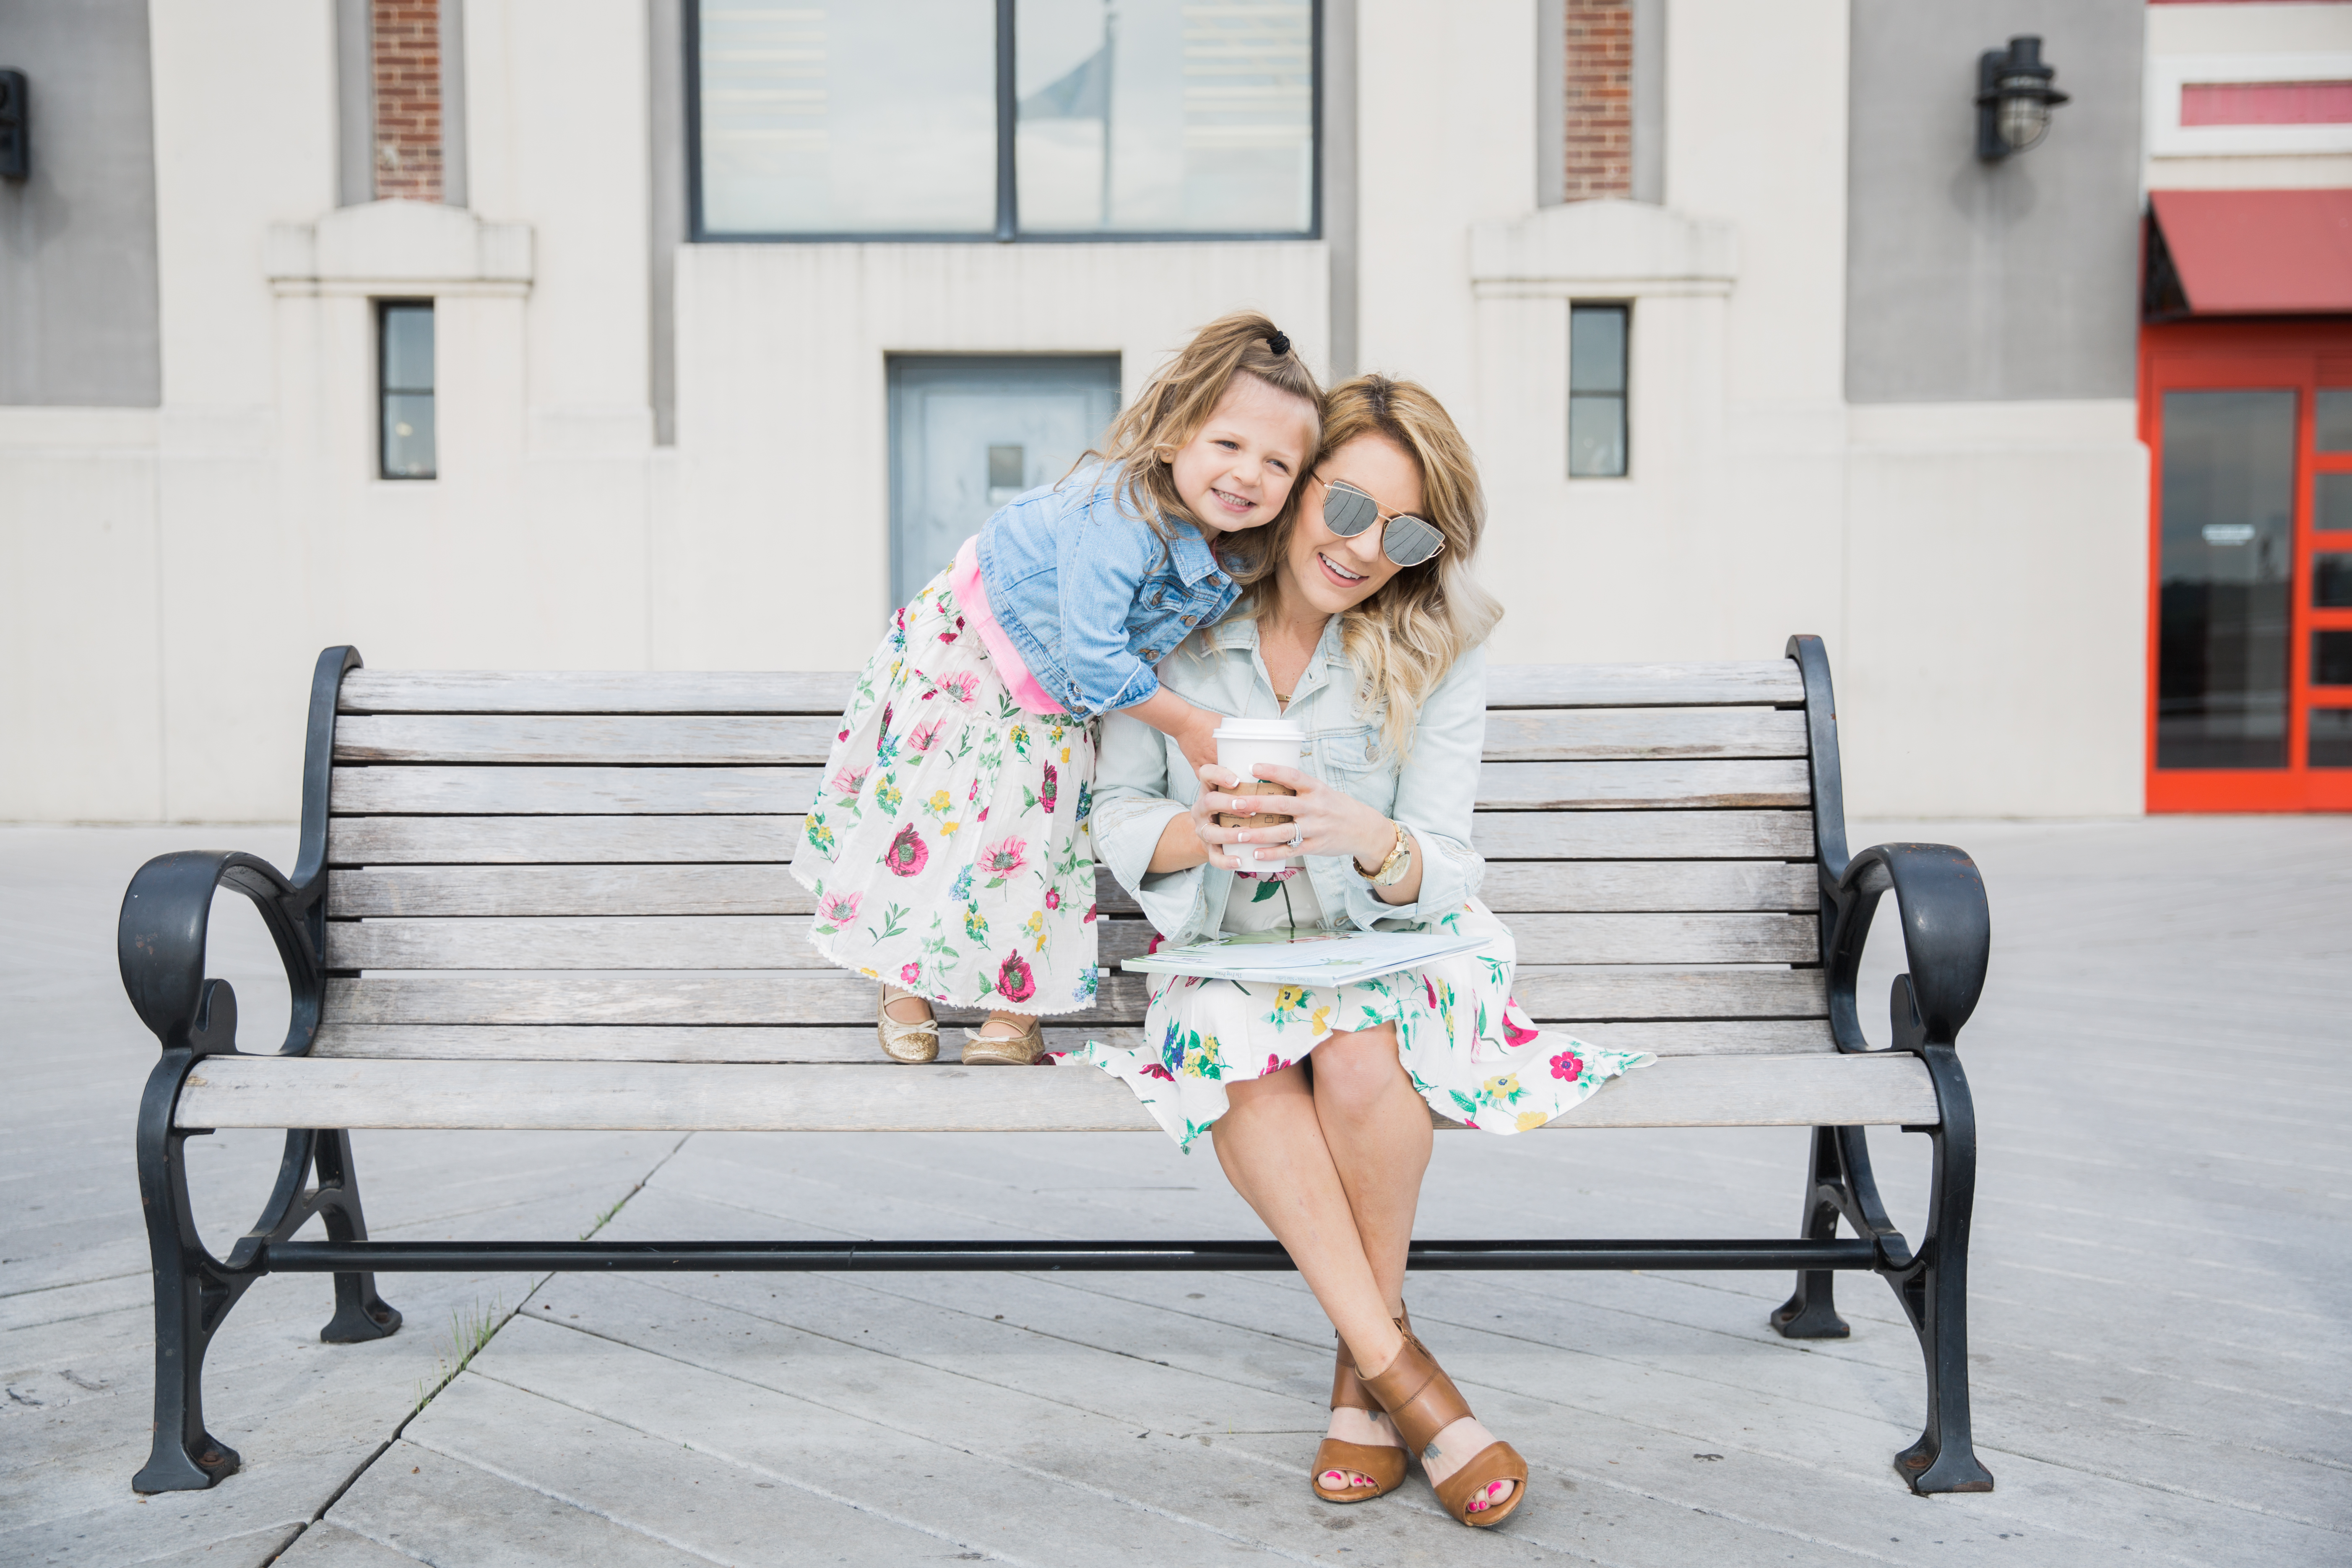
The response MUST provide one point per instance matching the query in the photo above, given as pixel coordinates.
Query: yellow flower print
(1035, 926)
(946, 828)
(1506, 1088)
(1532, 1120)
(1065, 753)
(940, 803)
(1321, 1023)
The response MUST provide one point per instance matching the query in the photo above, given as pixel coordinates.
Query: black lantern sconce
(2013, 99)
(15, 137)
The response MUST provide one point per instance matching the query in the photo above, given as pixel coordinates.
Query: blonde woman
(1367, 630)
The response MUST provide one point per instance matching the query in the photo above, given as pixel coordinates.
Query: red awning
(2240, 253)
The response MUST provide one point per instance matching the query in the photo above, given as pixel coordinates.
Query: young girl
(948, 845)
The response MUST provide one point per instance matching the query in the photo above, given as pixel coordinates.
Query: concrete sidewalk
(2160, 1319)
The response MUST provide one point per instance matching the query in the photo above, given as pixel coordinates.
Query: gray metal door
(968, 433)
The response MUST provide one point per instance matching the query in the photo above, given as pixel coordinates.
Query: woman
(1365, 628)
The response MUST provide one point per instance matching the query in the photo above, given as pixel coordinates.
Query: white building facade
(1870, 386)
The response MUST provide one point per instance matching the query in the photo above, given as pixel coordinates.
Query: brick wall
(1599, 100)
(407, 41)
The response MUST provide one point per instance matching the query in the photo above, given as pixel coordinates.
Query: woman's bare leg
(1376, 1129)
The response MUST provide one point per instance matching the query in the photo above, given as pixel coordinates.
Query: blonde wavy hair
(1143, 440)
(1402, 641)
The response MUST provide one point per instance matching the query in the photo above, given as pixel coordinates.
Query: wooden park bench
(1668, 842)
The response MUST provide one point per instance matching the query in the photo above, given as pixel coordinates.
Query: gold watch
(1392, 871)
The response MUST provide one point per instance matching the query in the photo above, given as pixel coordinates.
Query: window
(1003, 118)
(404, 375)
(1596, 391)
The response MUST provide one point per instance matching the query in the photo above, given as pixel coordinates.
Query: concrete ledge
(396, 242)
(1633, 245)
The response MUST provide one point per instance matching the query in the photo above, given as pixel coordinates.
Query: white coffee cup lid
(1261, 730)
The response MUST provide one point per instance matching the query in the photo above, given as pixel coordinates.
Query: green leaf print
(1265, 890)
(890, 926)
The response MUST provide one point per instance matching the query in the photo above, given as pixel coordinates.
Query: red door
(2249, 427)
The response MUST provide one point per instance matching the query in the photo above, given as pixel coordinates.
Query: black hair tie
(1277, 342)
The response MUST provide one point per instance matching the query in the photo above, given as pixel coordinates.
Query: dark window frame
(1008, 230)
(385, 391)
(1623, 393)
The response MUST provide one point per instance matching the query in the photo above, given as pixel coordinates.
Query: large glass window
(1004, 118)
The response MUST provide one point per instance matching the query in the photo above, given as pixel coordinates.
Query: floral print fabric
(948, 845)
(1467, 1045)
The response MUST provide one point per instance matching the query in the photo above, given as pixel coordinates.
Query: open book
(1304, 957)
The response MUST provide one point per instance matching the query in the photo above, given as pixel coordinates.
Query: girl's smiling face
(1238, 469)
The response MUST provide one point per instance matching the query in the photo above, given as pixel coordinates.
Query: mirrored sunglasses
(1408, 540)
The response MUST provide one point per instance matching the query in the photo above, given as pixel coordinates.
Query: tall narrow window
(405, 369)
(1596, 391)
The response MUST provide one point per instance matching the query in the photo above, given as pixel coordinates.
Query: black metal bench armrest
(160, 942)
(1946, 940)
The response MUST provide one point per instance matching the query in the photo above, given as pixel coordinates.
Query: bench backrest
(592, 866)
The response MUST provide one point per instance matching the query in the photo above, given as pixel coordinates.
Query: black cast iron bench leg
(359, 1313)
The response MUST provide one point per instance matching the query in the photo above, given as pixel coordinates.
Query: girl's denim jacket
(1092, 597)
(1141, 780)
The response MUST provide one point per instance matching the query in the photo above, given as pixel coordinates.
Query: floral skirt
(1467, 1045)
(948, 845)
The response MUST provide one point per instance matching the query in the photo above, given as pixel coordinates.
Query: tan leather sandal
(1423, 1402)
(1385, 1463)
(982, 1051)
(905, 1042)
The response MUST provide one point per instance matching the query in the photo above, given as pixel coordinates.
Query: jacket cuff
(1138, 687)
(1126, 833)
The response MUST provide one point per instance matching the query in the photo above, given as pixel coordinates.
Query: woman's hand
(1324, 820)
(1206, 805)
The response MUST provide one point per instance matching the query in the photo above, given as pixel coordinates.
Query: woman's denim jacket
(1141, 781)
(1090, 595)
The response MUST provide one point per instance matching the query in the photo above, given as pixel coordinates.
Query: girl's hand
(1208, 804)
(1323, 820)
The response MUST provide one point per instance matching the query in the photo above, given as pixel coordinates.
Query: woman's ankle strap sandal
(1423, 1402)
(1384, 1463)
(905, 1042)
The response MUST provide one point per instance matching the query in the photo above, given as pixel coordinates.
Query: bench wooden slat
(668, 1097)
(361, 790)
(1603, 734)
(595, 691)
(1572, 734)
(609, 740)
(837, 996)
(851, 1043)
(827, 691)
(699, 942)
(1499, 835)
(1764, 680)
(1531, 886)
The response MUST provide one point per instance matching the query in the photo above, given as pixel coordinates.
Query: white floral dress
(948, 845)
(1465, 1042)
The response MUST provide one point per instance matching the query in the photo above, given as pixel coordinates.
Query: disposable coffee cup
(1242, 745)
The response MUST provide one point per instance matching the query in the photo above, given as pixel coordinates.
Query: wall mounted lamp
(2013, 99)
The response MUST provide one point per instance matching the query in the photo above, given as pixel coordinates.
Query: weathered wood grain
(297, 1091)
(692, 941)
(1600, 734)
(359, 791)
(525, 840)
(595, 691)
(856, 1043)
(1643, 991)
(1774, 680)
(1643, 834)
(768, 888)
(609, 740)
(1620, 787)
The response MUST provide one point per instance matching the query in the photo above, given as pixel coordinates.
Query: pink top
(971, 597)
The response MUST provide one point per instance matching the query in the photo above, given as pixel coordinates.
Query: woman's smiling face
(1325, 572)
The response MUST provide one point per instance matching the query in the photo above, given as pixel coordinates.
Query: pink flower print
(1087, 919)
(1053, 790)
(1568, 1066)
(1014, 982)
(1274, 1064)
(886, 718)
(910, 975)
(963, 686)
(1157, 942)
(837, 910)
(842, 736)
(1004, 857)
(923, 737)
(1053, 898)
(1431, 986)
(849, 780)
(1153, 1070)
(907, 854)
(1517, 1031)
